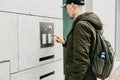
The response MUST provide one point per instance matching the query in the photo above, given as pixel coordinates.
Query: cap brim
(63, 6)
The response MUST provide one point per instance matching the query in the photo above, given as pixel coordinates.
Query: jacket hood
(92, 18)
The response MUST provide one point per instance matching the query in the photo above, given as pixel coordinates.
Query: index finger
(54, 35)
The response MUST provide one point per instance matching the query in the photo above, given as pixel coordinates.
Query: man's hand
(58, 39)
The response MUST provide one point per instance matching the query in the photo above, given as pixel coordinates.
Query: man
(80, 41)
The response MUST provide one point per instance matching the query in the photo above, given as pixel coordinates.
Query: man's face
(70, 10)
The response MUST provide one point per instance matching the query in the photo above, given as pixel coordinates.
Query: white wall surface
(20, 38)
(118, 29)
(106, 11)
(35, 73)
(8, 39)
(4, 70)
(49, 8)
(29, 41)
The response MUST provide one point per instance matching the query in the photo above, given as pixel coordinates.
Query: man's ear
(73, 5)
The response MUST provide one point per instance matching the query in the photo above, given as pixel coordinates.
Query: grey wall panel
(30, 51)
(59, 75)
(34, 7)
(45, 72)
(8, 39)
(4, 70)
(117, 29)
(106, 11)
(20, 38)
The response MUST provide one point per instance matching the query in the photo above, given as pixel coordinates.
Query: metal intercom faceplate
(46, 31)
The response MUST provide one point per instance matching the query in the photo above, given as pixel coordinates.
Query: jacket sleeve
(81, 47)
(65, 44)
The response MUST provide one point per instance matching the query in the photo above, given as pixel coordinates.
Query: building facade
(27, 48)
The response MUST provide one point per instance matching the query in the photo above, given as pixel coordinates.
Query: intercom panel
(46, 32)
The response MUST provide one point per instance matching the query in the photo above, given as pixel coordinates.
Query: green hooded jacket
(79, 44)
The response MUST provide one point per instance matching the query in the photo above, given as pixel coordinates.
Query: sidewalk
(115, 75)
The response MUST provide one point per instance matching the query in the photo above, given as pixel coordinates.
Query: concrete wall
(20, 49)
(20, 40)
(108, 11)
(118, 29)
(116, 71)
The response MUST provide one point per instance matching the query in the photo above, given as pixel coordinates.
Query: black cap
(78, 2)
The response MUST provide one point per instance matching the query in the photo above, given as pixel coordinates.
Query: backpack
(103, 57)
